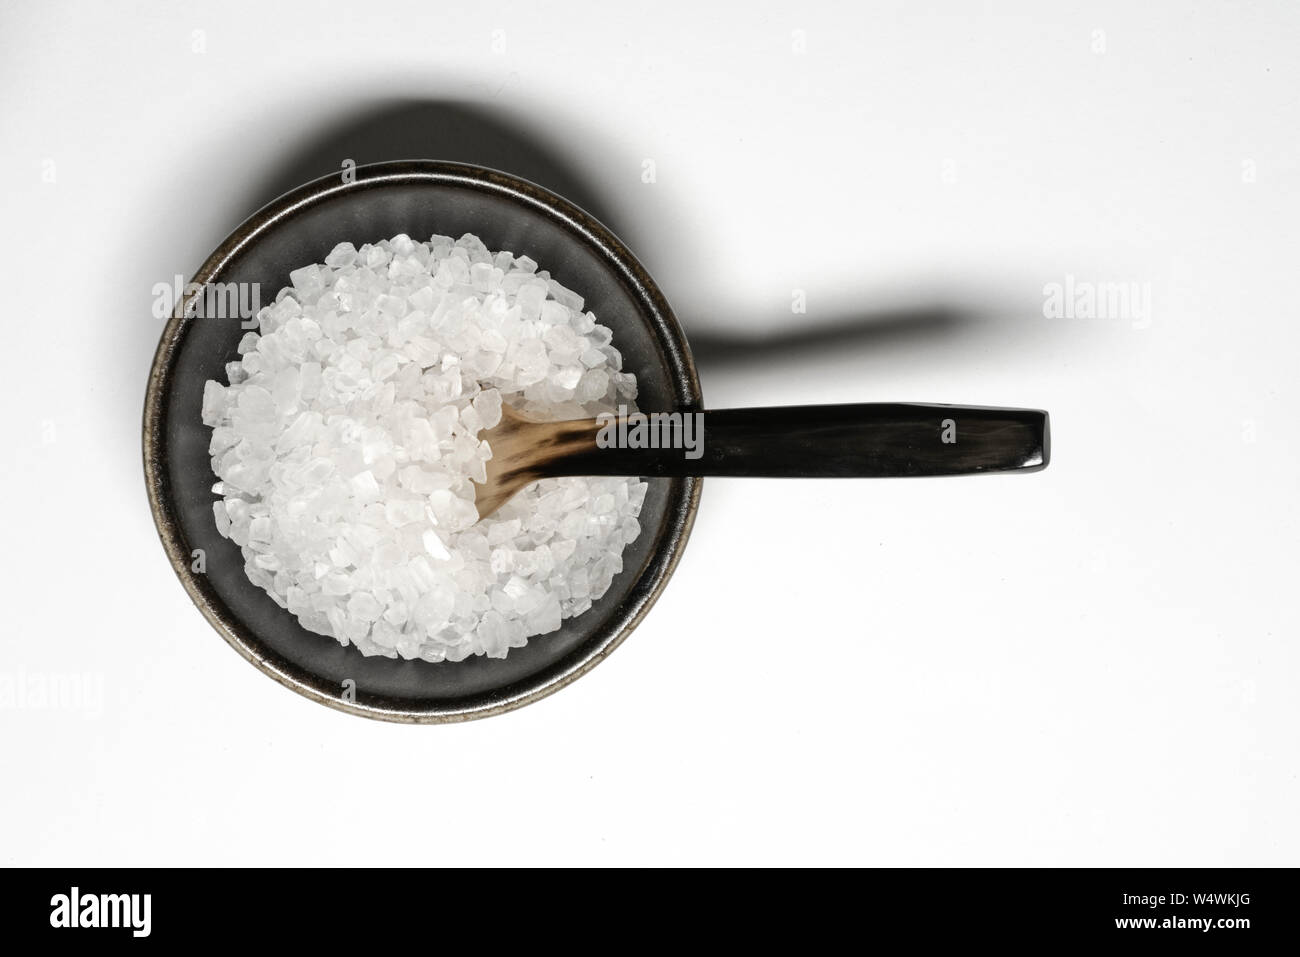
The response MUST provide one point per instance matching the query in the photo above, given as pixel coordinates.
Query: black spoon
(875, 440)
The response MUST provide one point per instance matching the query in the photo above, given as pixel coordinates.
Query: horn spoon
(874, 440)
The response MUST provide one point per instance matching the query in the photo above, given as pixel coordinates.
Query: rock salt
(348, 436)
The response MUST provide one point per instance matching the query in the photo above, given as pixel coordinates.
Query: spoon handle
(815, 441)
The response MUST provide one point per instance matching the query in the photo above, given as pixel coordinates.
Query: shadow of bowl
(419, 198)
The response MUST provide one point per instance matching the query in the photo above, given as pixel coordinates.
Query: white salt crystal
(214, 402)
(592, 386)
(554, 314)
(365, 487)
(529, 299)
(222, 517)
(568, 376)
(566, 297)
(364, 606)
(545, 618)
(344, 254)
(503, 531)
(400, 512)
(434, 546)
(488, 406)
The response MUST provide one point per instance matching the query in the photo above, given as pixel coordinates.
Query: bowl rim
(684, 495)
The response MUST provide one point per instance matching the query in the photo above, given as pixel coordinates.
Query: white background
(1092, 665)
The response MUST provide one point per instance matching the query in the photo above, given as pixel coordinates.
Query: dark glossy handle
(830, 441)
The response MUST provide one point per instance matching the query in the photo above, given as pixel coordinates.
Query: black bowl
(419, 198)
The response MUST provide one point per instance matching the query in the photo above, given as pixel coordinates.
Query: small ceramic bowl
(419, 198)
